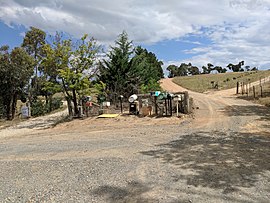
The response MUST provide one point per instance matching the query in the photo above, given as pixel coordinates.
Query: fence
(254, 90)
(147, 104)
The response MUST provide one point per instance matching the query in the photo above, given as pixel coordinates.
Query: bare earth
(220, 155)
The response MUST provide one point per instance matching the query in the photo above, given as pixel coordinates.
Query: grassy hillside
(203, 83)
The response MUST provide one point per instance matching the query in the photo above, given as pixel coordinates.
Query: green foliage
(193, 70)
(127, 70)
(146, 67)
(33, 41)
(56, 103)
(237, 67)
(16, 68)
(40, 107)
(172, 69)
(183, 70)
(151, 86)
(70, 66)
(115, 71)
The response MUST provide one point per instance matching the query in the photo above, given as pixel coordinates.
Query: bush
(56, 103)
(2, 110)
(40, 108)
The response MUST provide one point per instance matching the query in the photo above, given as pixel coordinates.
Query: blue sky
(200, 32)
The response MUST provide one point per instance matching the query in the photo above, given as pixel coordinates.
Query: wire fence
(259, 89)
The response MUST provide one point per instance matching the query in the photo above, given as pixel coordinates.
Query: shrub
(56, 103)
(40, 108)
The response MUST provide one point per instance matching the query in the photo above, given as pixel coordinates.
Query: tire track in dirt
(213, 108)
(208, 110)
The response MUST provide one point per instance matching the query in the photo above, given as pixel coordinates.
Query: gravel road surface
(220, 155)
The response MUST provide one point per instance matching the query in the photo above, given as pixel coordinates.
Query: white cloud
(238, 29)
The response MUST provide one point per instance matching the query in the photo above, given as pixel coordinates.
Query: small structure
(133, 104)
(159, 104)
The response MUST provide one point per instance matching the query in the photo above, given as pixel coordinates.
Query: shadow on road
(251, 110)
(218, 160)
(131, 193)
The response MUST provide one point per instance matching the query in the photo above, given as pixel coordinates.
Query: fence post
(156, 107)
(261, 91)
(254, 93)
(237, 88)
(186, 102)
(247, 88)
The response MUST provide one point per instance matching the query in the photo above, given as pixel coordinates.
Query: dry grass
(263, 99)
(202, 83)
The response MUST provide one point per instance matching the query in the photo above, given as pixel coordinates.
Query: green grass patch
(203, 83)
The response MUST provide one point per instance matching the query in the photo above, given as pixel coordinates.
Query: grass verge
(203, 83)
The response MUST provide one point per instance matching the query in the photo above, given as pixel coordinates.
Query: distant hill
(220, 81)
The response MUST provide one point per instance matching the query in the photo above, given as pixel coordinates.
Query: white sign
(25, 112)
(107, 104)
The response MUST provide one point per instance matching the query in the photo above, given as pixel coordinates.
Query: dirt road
(221, 155)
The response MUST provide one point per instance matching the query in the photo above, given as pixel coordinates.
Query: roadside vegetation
(205, 82)
(47, 65)
(44, 66)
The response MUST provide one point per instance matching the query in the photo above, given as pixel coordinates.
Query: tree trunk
(50, 103)
(13, 105)
(68, 98)
(8, 108)
(69, 104)
(76, 110)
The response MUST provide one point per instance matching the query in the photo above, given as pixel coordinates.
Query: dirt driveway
(221, 155)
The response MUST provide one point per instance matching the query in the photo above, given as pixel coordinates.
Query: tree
(16, 68)
(205, 70)
(115, 72)
(254, 69)
(219, 69)
(182, 70)
(193, 70)
(236, 68)
(146, 69)
(209, 67)
(172, 71)
(71, 66)
(82, 69)
(247, 68)
(33, 42)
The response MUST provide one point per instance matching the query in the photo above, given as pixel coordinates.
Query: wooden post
(171, 109)
(186, 102)
(261, 91)
(156, 107)
(177, 107)
(121, 104)
(166, 107)
(237, 88)
(254, 93)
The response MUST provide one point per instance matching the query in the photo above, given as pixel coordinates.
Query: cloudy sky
(197, 31)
